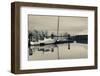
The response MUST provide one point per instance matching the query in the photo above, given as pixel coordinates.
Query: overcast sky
(72, 25)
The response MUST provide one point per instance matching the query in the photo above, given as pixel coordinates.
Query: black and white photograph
(57, 37)
(53, 37)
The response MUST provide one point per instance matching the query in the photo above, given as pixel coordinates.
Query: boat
(50, 40)
(44, 42)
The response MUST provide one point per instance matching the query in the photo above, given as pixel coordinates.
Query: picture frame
(19, 25)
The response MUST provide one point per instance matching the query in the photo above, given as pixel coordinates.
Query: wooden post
(68, 41)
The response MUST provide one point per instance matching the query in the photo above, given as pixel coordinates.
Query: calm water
(59, 51)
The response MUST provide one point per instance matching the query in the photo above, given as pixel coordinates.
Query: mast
(58, 36)
(58, 28)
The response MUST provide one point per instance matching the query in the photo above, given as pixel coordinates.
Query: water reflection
(45, 48)
(58, 51)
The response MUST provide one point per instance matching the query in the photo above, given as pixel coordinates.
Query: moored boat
(43, 42)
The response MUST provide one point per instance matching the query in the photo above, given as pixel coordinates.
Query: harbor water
(58, 51)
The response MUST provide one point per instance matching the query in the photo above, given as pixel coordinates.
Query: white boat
(45, 41)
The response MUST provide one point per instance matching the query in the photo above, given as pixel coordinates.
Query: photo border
(15, 37)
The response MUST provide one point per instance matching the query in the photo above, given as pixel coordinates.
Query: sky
(69, 24)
